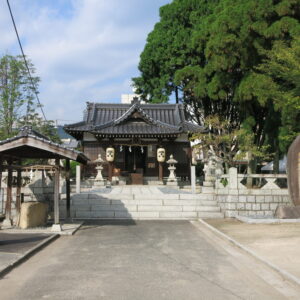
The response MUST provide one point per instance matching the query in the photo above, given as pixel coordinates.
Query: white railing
(233, 180)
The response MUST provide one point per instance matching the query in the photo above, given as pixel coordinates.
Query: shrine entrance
(135, 160)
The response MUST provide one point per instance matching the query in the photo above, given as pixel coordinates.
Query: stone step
(173, 215)
(210, 215)
(145, 205)
(101, 201)
(207, 197)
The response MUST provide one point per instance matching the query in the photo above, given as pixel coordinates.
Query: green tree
(47, 128)
(169, 49)
(280, 73)
(220, 137)
(16, 92)
(224, 43)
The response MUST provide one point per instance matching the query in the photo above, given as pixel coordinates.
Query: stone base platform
(143, 202)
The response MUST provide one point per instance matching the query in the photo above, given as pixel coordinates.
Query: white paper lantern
(161, 155)
(110, 154)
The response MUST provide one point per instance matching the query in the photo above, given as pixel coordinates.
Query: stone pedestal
(7, 223)
(172, 183)
(56, 228)
(99, 183)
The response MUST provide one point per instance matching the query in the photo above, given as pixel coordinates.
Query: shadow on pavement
(19, 243)
(88, 224)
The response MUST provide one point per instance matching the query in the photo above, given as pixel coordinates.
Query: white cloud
(83, 50)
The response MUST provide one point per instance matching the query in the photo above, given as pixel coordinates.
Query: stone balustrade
(261, 200)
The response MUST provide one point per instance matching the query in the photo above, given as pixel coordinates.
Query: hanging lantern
(110, 154)
(161, 155)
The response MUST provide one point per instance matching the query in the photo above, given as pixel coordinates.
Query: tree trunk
(251, 169)
(276, 162)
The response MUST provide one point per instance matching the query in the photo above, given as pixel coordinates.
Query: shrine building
(136, 138)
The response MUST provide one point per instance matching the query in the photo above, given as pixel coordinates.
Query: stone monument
(172, 180)
(213, 169)
(99, 180)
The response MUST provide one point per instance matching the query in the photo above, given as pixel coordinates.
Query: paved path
(142, 260)
(14, 245)
(278, 243)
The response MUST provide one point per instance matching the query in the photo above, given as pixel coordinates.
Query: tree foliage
(222, 57)
(17, 107)
(280, 74)
(16, 92)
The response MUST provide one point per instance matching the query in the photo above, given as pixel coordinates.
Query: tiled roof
(133, 119)
(28, 132)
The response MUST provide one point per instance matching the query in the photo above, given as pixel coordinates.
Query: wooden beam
(56, 191)
(68, 188)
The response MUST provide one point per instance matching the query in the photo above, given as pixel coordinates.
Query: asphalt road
(142, 260)
(13, 246)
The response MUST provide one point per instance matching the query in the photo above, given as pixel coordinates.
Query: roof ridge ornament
(136, 100)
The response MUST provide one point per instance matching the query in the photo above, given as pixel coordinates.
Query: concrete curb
(286, 275)
(28, 254)
(250, 220)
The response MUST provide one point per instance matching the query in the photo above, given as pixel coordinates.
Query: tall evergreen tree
(214, 62)
(16, 92)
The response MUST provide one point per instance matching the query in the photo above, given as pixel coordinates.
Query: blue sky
(83, 50)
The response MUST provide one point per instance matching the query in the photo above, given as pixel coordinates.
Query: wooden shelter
(135, 132)
(29, 144)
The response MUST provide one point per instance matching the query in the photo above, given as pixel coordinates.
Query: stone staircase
(136, 205)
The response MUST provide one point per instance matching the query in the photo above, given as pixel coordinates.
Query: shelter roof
(31, 144)
(104, 119)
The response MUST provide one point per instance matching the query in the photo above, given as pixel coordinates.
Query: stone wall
(256, 205)
(235, 199)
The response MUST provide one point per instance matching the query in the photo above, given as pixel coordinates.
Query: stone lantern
(172, 180)
(99, 180)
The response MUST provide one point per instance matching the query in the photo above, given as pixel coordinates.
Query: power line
(31, 80)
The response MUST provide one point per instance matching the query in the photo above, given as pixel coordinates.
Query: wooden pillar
(110, 170)
(56, 191)
(1, 169)
(19, 185)
(68, 188)
(160, 171)
(8, 220)
(78, 179)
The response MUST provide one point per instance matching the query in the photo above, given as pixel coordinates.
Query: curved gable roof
(134, 119)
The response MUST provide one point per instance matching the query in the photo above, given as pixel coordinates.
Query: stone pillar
(78, 179)
(68, 188)
(193, 179)
(56, 226)
(233, 178)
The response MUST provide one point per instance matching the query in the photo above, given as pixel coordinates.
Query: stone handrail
(234, 179)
